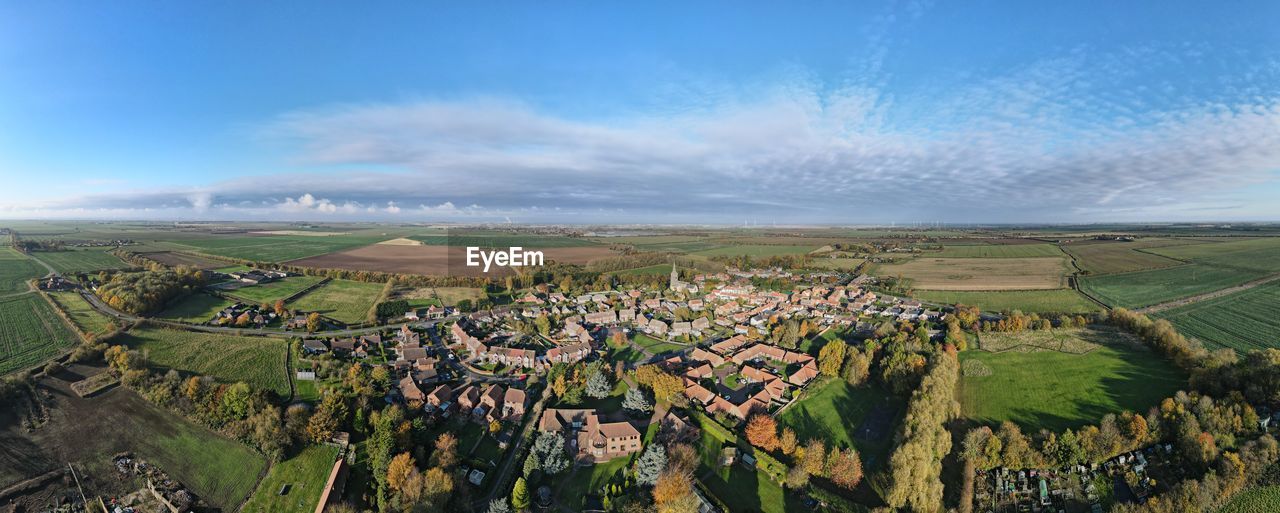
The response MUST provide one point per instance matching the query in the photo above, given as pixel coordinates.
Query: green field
(81, 312)
(660, 269)
(30, 333)
(589, 480)
(502, 240)
(1062, 379)
(1243, 321)
(271, 291)
(756, 250)
(1029, 301)
(305, 474)
(16, 269)
(743, 489)
(258, 361)
(1109, 257)
(833, 411)
(654, 345)
(1257, 254)
(195, 308)
(1264, 499)
(1146, 288)
(81, 260)
(997, 251)
(276, 248)
(346, 301)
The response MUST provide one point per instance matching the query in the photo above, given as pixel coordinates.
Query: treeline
(915, 467)
(148, 291)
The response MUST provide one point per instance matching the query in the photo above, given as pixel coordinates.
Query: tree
(788, 441)
(549, 453)
(499, 506)
(831, 358)
(844, 468)
(313, 322)
(328, 417)
(673, 493)
(399, 470)
(235, 401)
(495, 427)
(857, 367)
(982, 448)
(446, 450)
(520, 495)
(797, 478)
(651, 465)
(280, 309)
(635, 402)
(814, 459)
(762, 432)
(598, 385)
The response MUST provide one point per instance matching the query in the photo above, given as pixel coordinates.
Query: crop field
(30, 333)
(271, 291)
(931, 273)
(502, 240)
(277, 248)
(1245, 320)
(660, 269)
(258, 361)
(437, 259)
(998, 251)
(346, 301)
(195, 308)
(1264, 499)
(172, 259)
(1028, 301)
(305, 475)
(81, 312)
(757, 250)
(81, 260)
(1145, 288)
(841, 264)
(1109, 257)
(846, 416)
(16, 269)
(1258, 254)
(89, 431)
(1061, 379)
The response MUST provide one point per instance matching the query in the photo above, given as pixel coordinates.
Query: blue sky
(716, 112)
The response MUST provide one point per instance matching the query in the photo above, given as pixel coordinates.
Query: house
(441, 395)
(590, 440)
(513, 404)
(701, 323)
(410, 391)
(313, 346)
(344, 345)
(702, 355)
(658, 327)
(491, 401)
(605, 317)
(804, 375)
(468, 398)
(568, 353)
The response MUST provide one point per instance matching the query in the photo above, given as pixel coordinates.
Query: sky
(845, 113)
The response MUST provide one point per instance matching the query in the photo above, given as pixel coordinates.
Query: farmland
(1028, 301)
(30, 333)
(756, 250)
(1109, 257)
(81, 312)
(1145, 288)
(258, 361)
(88, 431)
(1061, 379)
(1255, 500)
(979, 273)
(195, 308)
(1256, 254)
(271, 291)
(997, 251)
(81, 260)
(845, 416)
(502, 240)
(305, 475)
(16, 269)
(275, 248)
(660, 269)
(343, 300)
(432, 259)
(1243, 321)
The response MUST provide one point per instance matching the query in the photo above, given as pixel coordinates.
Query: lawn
(305, 474)
(1029, 301)
(1264, 499)
(16, 269)
(271, 291)
(743, 489)
(1146, 288)
(195, 308)
(1243, 321)
(1062, 379)
(343, 300)
(589, 480)
(933, 273)
(998, 251)
(836, 412)
(654, 345)
(81, 260)
(30, 333)
(258, 361)
(81, 313)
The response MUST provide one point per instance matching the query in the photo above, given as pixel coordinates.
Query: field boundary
(1214, 294)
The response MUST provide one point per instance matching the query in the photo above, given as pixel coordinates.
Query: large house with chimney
(589, 439)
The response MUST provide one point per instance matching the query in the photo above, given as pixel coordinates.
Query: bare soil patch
(401, 242)
(434, 260)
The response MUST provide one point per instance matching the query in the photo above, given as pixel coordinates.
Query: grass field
(81, 313)
(833, 412)
(589, 480)
(305, 474)
(1145, 288)
(16, 269)
(1258, 254)
(743, 489)
(1264, 499)
(654, 345)
(756, 250)
(502, 240)
(1029, 301)
(998, 251)
(447, 295)
(346, 301)
(258, 361)
(275, 248)
(195, 308)
(1062, 379)
(1242, 321)
(30, 333)
(835, 263)
(660, 269)
(1109, 257)
(271, 291)
(930, 273)
(81, 260)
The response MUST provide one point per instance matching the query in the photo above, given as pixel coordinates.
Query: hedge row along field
(30, 333)
(1146, 288)
(1245, 320)
(258, 361)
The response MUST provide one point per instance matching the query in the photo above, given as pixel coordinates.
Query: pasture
(845, 416)
(1029, 301)
(931, 273)
(73, 261)
(30, 333)
(81, 312)
(1245, 320)
(195, 308)
(258, 361)
(16, 269)
(1146, 288)
(272, 291)
(343, 300)
(1110, 257)
(997, 251)
(275, 248)
(1061, 379)
(305, 475)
